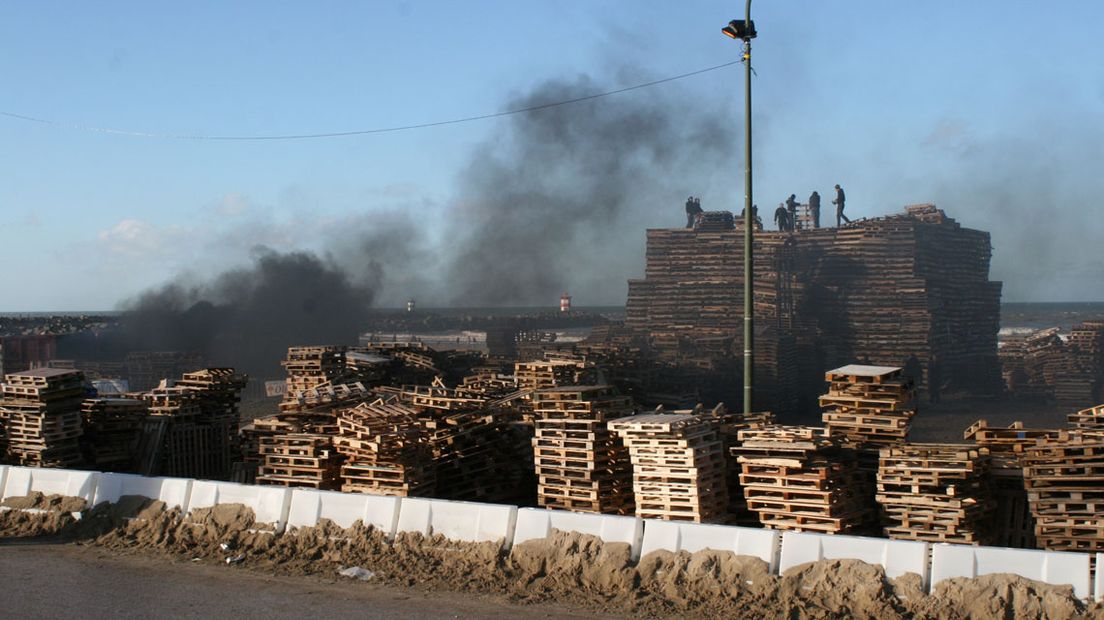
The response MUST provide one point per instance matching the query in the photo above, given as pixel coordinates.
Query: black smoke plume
(247, 317)
(561, 199)
(557, 201)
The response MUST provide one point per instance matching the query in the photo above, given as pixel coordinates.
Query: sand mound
(1002, 596)
(38, 501)
(566, 567)
(571, 563)
(52, 515)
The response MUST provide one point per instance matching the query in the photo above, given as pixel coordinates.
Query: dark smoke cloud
(248, 317)
(557, 201)
(560, 200)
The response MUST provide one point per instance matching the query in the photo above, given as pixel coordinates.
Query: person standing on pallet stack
(781, 217)
(814, 208)
(791, 209)
(839, 206)
(693, 210)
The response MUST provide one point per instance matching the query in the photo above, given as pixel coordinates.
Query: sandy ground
(52, 580)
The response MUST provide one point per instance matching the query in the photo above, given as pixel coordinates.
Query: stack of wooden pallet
(1013, 525)
(310, 367)
(869, 404)
(1064, 474)
(475, 453)
(877, 289)
(299, 460)
(935, 492)
(178, 440)
(1088, 419)
(41, 413)
(539, 375)
(111, 431)
(800, 478)
(384, 444)
(730, 424)
(580, 464)
(678, 466)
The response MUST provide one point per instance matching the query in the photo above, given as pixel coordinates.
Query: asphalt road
(47, 580)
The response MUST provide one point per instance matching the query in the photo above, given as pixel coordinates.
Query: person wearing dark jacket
(782, 218)
(839, 206)
(791, 208)
(693, 209)
(814, 208)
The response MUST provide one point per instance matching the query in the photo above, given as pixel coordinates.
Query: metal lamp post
(745, 31)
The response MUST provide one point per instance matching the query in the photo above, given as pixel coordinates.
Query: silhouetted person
(814, 208)
(781, 217)
(839, 206)
(791, 208)
(693, 208)
(912, 370)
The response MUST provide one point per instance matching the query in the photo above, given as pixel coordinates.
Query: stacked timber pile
(580, 464)
(299, 460)
(1064, 474)
(179, 440)
(475, 448)
(1091, 419)
(218, 392)
(678, 466)
(1013, 525)
(310, 367)
(384, 444)
(800, 478)
(112, 427)
(730, 424)
(871, 405)
(542, 374)
(40, 411)
(935, 492)
(1043, 364)
(913, 284)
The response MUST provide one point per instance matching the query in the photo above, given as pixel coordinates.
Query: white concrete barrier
(173, 491)
(1098, 585)
(463, 521)
(270, 504)
(896, 557)
(309, 506)
(22, 481)
(3, 477)
(678, 536)
(1053, 567)
(536, 523)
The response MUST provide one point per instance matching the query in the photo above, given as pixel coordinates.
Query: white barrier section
(173, 491)
(896, 557)
(270, 504)
(464, 521)
(536, 523)
(70, 483)
(1053, 567)
(678, 536)
(309, 506)
(3, 478)
(1098, 586)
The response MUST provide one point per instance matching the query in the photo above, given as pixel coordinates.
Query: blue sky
(964, 104)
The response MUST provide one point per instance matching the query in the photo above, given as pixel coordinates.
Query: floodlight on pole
(745, 31)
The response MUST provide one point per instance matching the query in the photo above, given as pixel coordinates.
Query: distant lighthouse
(410, 305)
(565, 303)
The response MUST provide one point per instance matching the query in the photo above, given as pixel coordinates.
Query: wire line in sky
(361, 132)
